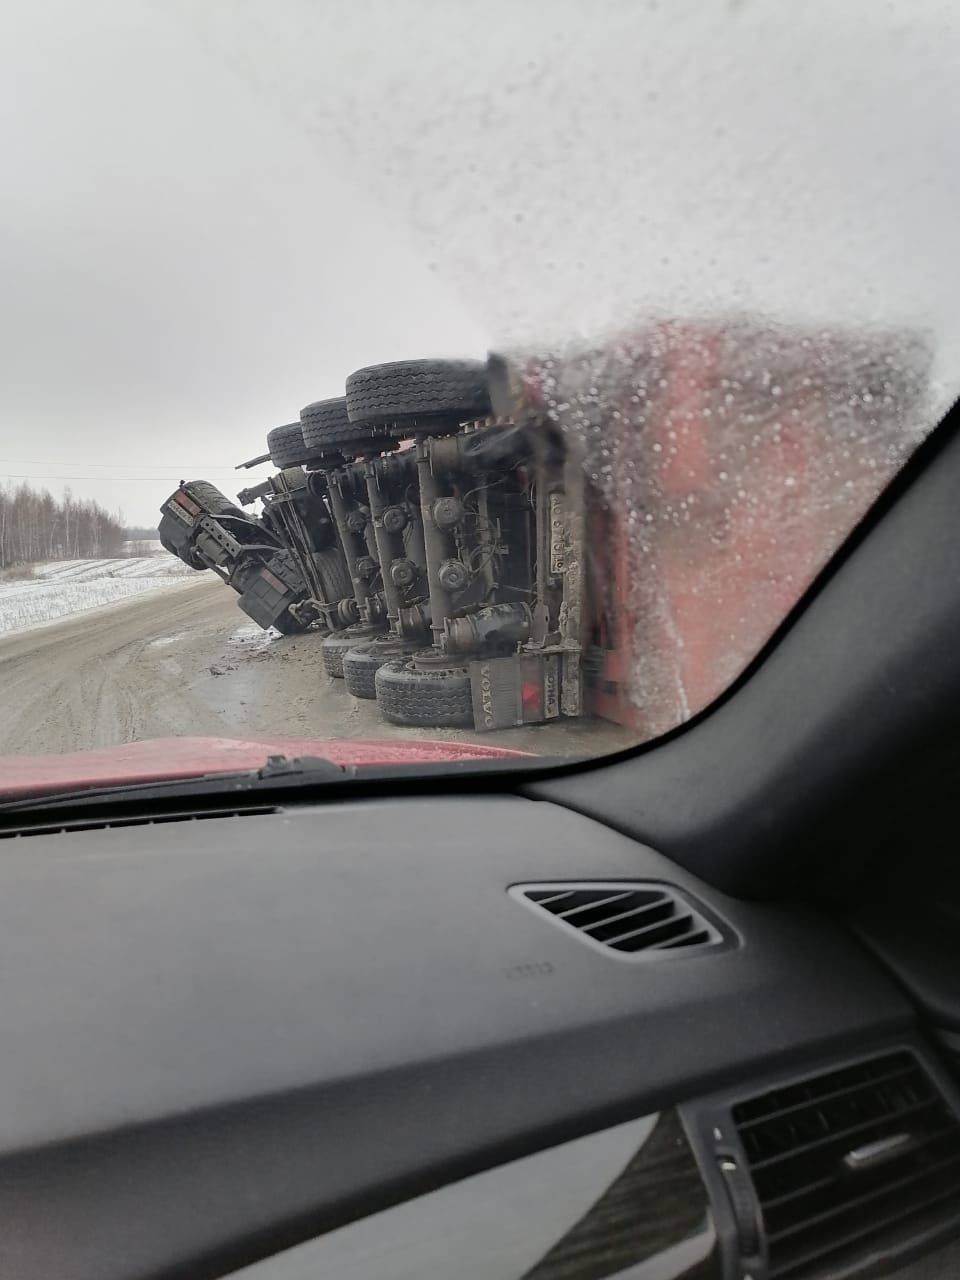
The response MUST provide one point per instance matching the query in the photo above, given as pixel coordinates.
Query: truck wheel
(286, 446)
(425, 396)
(209, 497)
(333, 574)
(327, 429)
(439, 698)
(333, 649)
(360, 667)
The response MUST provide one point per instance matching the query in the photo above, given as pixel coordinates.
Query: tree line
(34, 527)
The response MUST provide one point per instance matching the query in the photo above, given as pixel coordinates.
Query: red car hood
(162, 758)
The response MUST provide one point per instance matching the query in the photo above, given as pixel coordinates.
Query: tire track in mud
(92, 680)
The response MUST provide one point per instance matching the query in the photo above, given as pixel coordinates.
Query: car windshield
(405, 383)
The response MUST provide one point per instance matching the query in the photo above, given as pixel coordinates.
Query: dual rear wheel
(407, 397)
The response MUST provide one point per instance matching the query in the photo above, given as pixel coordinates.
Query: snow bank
(65, 587)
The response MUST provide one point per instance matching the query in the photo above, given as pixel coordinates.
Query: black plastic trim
(340, 1007)
(713, 1135)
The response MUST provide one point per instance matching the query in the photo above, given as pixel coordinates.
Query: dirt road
(185, 661)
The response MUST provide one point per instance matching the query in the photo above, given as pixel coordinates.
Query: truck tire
(209, 497)
(360, 667)
(328, 430)
(333, 648)
(439, 698)
(286, 446)
(425, 396)
(333, 574)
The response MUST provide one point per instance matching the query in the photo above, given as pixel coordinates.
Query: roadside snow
(64, 587)
(159, 566)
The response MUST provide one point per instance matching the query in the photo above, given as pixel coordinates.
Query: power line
(217, 475)
(166, 466)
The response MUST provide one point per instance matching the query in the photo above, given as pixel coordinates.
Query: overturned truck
(487, 545)
(429, 545)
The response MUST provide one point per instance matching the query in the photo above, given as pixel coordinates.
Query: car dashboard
(469, 1036)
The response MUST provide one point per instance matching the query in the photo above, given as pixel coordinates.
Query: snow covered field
(64, 587)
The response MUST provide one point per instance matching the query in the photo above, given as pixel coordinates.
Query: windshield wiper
(278, 774)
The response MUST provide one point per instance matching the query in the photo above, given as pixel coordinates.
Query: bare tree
(34, 527)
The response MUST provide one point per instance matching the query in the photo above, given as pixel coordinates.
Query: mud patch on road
(180, 664)
(253, 642)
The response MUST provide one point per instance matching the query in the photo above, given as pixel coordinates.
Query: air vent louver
(633, 920)
(860, 1159)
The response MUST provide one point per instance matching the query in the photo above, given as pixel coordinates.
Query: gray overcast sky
(213, 210)
(181, 270)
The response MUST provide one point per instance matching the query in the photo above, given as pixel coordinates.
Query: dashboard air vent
(633, 920)
(861, 1159)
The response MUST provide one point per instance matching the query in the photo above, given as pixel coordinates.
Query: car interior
(691, 1010)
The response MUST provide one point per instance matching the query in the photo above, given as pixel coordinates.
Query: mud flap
(523, 689)
(177, 522)
(267, 598)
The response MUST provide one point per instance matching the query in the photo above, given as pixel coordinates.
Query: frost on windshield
(724, 463)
